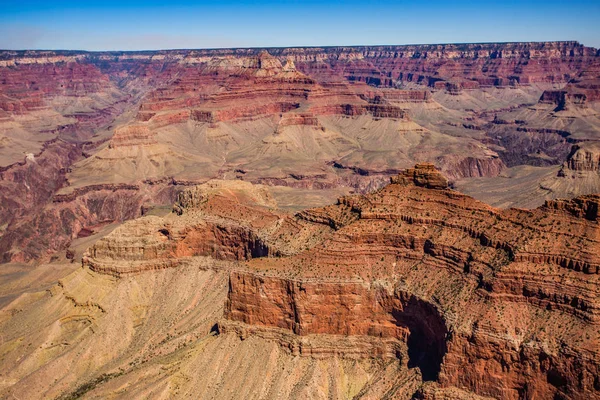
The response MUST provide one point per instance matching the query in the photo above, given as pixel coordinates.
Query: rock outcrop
(584, 157)
(424, 175)
(581, 207)
(430, 261)
(130, 136)
(414, 272)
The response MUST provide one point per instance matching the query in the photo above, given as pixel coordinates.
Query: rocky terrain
(265, 240)
(412, 291)
(315, 123)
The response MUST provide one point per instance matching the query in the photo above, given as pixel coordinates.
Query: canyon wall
(465, 65)
(499, 303)
(328, 117)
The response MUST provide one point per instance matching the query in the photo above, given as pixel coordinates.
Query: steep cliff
(584, 157)
(438, 251)
(415, 272)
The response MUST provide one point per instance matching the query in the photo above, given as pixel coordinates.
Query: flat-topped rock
(424, 175)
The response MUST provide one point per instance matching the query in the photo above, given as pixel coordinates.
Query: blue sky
(140, 25)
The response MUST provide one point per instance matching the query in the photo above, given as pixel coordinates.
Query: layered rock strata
(474, 298)
(201, 114)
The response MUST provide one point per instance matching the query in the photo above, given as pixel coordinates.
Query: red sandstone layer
(449, 284)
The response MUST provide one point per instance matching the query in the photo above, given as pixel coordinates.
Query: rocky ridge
(414, 255)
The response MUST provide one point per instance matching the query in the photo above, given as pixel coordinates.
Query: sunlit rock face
(416, 273)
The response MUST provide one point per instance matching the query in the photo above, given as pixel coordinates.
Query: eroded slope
(368, 298)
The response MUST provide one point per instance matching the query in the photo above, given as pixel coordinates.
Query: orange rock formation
(499, 303)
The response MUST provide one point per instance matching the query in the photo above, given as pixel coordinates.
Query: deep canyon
(376, 222)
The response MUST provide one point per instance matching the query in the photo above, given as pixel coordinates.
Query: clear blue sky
(138, 25)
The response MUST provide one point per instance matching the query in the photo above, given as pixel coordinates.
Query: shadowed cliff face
(426, 342)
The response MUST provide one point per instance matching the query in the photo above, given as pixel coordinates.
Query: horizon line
(299, 47)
